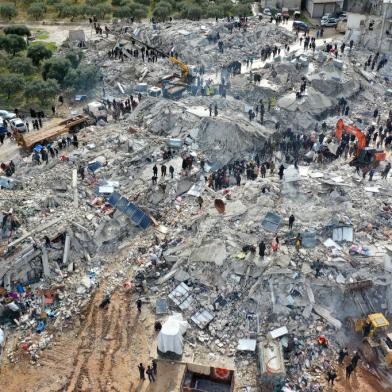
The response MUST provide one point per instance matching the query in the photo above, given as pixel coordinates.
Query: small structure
(318, 8)
(271, 221)
(77, 39)
(170, 337)
(342, 233)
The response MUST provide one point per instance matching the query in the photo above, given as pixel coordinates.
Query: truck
(70, 125)
(96, 110)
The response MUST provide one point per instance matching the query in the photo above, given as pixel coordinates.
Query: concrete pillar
(45, 261)
(75, 187)
(66, 248)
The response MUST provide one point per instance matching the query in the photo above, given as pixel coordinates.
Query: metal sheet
(271, 221)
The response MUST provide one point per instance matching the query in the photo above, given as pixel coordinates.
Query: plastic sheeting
(170, 336)
(2, 337)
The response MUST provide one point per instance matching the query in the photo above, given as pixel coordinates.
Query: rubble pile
(191, 244)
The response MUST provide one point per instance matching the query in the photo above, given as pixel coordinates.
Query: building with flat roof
(318, 8)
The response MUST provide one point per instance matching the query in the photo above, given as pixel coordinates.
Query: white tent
(170, 336)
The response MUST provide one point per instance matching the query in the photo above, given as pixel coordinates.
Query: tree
(74, 57)
(59, 7)
(44, 90)
(56, 68)
(214, 11)
(144, 2)
(21, 65)
(94, 2)
(123, 12)
(82, 79)
(102, 10)
(11, 84)
(37, 10)
(138, 11)
(12, 43)
(242, 10)
(193, 12)
(8, 11)
(18, 30)
(73, 11)
(118, 3)
(162, 11)
(4, 60)
(38, 52)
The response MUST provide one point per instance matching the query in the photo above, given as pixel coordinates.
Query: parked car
(18, 125)
(6, 115)
(285, 12)
(326, 16)
(267, 12)
(296, 14)
(298, 25)
(330, 22)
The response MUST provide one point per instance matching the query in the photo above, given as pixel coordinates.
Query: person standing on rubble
(281, 172)
(163, 170)
(262, 248)
(291, 221)
(385, 172)
(272, 168)
(263, 170)
(200, 202)
(298, 242)
(81, 171)
(317, 266)
(215, 110)
(210, 108)
(275, 244)
(155, 170)
(139, 305)
(171, 171)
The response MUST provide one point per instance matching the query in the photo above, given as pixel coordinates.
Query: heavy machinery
(30, 139)
(364, 156)
(377, 341)
(184, 68)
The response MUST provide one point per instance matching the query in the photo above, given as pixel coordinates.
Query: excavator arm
(183, 66)
(341, 127)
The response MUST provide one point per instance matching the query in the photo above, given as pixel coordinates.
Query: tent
(170, 336)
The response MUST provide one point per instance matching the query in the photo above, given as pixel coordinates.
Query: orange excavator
(364, 156)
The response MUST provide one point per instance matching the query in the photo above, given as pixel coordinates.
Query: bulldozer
(377, 341)
(363, 156)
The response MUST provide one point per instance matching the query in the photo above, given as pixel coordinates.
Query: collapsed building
(62, 232)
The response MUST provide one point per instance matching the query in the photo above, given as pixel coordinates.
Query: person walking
(139, 305)
(141, 371)
(349, 370)
(331, 376)
(150, 374)
(355, 360)
(154, 367)
(291, 221)
(343, 353)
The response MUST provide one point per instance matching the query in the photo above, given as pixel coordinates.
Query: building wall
(290, 4)
(318, 10)
(309, 7)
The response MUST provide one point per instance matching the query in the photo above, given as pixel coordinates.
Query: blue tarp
(38, 148)
(94, 166)
(133, 212)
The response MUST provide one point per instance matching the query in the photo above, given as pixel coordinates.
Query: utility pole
(386, 8)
